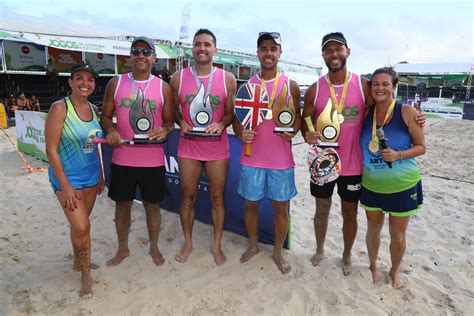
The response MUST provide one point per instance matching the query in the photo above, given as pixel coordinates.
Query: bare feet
(346, 265)
(119, 256)
(93, 266)
(157, 257)
(281, 263)
(375, 273)
(86, 286)
(219, 257)
(248, 254)
(183, 254)
(396, 283)
(317, 258)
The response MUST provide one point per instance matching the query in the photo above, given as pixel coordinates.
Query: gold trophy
(283, 114)
(328, 126)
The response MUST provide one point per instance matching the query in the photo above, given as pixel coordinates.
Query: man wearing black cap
(348, 93)
(141, 165)
(271, 163)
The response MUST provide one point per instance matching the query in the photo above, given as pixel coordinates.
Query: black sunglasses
(275, 35)
(146, 52)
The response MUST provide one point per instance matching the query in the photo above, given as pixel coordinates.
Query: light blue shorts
(277, 185)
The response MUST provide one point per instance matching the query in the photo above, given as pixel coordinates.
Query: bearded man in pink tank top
(137, 165)
(269, 170)
(210, 153)
(350, 93)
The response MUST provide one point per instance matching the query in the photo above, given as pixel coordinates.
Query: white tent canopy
(439, 68)
(302, 79)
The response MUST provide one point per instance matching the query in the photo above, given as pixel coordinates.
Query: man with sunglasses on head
(208, 153)
(137, 165)
(269, 170)
(350, 95)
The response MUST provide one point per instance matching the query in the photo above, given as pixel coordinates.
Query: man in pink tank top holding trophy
(268, 170)
(204, 102)
(143, 106)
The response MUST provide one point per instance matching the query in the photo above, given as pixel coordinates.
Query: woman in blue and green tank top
(75, 171)
(391, 182)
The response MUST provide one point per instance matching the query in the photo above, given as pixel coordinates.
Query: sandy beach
(36, 274)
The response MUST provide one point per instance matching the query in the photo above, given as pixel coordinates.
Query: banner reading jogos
(63, 60)
(102, 63)
(20, 56)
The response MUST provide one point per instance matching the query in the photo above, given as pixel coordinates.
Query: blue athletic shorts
(80, 180)
(277, 185)
(405, 203)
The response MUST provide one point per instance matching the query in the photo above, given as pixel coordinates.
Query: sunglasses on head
(275, 35)
(145, 52)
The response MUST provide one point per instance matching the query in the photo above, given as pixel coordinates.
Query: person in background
(11, 106)
(23, 102)
(34, 103)
(75, 170)
(391, 180)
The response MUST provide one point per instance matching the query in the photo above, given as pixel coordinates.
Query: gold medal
(340, 117)
(374, 146)
(269, 114)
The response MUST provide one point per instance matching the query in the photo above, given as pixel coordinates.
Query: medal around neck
(283, 112)
(200, 112)
(141, 119)
(328, 126)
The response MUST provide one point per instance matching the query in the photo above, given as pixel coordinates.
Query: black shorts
(348, 188)
(124, 181)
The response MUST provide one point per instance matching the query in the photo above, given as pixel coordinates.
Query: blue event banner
(234, 203)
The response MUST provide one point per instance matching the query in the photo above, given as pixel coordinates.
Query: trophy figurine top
(141, 117)
(283, 112)
(328, 126)
(200, 112)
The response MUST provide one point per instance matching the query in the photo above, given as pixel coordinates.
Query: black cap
(83, 67)
(333, 37)
(269, 35)
(144, 39)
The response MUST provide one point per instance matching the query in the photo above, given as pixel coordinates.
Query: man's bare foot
(86, 286)
(248, 254)
(396, 283)
(317, 258)
(119, 256)
(346, 265)
(93, 266)
(157, 257)
(281, 263)
(375, 273)
(219, 257)
(183, 254)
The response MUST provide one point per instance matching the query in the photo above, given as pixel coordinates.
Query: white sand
(36, 255)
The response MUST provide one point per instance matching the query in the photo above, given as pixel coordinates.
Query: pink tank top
(137, 155)
(268, 149)
(201, 148)
(353, 111)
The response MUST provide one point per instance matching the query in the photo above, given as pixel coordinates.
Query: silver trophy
(200, 112)
(141, 120)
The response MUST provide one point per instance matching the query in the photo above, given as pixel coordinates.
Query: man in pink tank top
(269, 171)
(137, 165)
(356, 89)
(196, 153)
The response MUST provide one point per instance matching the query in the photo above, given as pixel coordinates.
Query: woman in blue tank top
(391, 182)
(75, 171)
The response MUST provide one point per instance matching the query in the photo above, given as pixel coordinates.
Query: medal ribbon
(198, 83)
(274, 88)
(134, 88)
(374, 122)
(336, 104)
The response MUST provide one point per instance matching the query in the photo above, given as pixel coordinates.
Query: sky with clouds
(379, 32)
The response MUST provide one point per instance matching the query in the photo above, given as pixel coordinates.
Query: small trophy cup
(200, 112)
(328, 126)
(283, 114)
